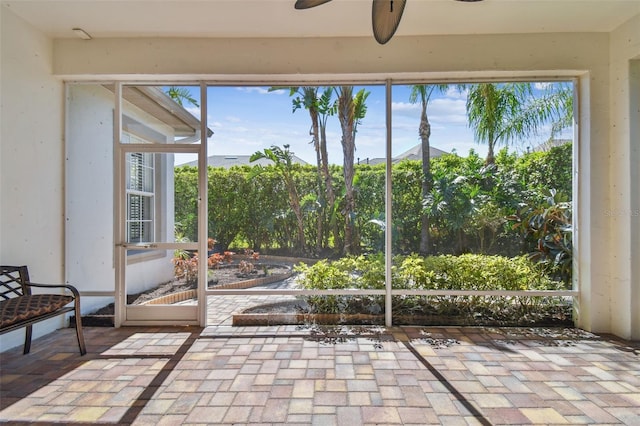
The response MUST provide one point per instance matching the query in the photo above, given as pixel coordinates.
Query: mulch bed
(226, 274)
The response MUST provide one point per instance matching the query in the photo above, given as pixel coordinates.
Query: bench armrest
(69, 287)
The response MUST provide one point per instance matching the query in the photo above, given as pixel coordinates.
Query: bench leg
(27, 339)
(79, 334)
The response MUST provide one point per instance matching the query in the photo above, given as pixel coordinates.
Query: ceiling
(338, 18)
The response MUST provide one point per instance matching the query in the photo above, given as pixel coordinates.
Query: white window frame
(147, 175)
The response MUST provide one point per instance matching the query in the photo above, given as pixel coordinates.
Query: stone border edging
(242, 319)
(192, 294)
(254, 281)
(172, 298)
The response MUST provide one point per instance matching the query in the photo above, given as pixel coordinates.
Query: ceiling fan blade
(306, 4)
(385, 17)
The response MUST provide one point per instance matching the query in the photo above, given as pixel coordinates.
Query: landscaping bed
(298, 312)
(225, 276)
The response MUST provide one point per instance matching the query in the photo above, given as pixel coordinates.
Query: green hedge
(464, 272)
(467, 207)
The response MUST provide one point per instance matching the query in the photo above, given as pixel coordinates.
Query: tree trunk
(491, 159)
(347, 121)
(349, 205)
(316, 144)
(297, 210)
(425, 134)
(328, 182)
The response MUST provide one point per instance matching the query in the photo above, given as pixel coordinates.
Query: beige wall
(31, 225)
(31, 159)
(624, 204)
(443, 56)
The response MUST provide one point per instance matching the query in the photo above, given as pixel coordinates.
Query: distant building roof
(414, 153)
(228, 161)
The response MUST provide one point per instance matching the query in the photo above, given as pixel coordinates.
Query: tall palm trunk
(347, 122)
(425, 134)
(422, 94)
(328, 182)
(348, 150)
(313, 113)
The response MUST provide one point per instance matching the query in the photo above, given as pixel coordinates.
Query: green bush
(465, 272)
(467, 207)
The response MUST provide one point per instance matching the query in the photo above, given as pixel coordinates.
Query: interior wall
(624, 210)
(31, 160)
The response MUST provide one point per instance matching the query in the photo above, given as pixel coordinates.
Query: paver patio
(333, 376)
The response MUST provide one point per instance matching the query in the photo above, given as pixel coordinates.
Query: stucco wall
(624, 208)
(31, 160)
(89, 176)
(90, 208)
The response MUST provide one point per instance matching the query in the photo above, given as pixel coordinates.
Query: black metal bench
(19, 307)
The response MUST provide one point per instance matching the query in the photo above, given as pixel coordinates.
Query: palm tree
(422, 93)
(562, 94)
(351, 110)
(282, 161)
(319, 108)
(327, 108)
(307, 98)
(181, 94)
(509, 112)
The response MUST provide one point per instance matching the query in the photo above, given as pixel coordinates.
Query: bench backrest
(13, 282)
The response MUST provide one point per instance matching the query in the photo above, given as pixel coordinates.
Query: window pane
(140, 171)
(140, 218)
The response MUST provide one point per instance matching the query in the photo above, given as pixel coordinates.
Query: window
(140, 195)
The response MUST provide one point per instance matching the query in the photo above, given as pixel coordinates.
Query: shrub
(548, 230)
(465, 272)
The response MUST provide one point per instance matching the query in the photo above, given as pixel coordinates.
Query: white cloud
(454, 92)
(446, 110)
(542, 85)
(193, 110)
(401, 107)
(262, 90)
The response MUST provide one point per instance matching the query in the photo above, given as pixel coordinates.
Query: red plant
(254, 254)
(245, 267)
(216, 259)
(185, 265)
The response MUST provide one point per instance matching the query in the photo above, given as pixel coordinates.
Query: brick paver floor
(332, 376)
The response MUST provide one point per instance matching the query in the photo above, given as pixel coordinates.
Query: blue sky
(249, 119)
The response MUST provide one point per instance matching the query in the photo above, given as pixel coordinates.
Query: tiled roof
(414, 153)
